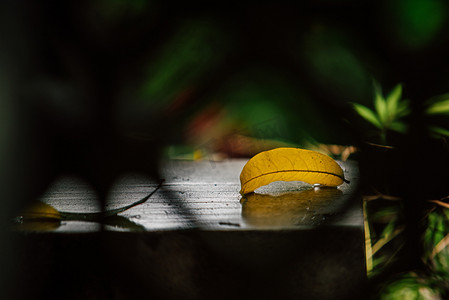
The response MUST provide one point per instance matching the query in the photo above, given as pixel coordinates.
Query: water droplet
(18, 219)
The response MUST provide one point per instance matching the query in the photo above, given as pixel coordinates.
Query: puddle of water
(305, 207)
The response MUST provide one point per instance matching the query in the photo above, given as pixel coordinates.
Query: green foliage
(439, 131)
(187, 58)
(417, 23)
(333, 63)
(387, 112)
(385, 222)
(368, 115)
(384, 227)
(437, 111)
(436, 241)
(440, 106)
(410, 286)
(269, 106)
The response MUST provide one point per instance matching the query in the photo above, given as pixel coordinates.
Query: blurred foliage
(388, 112)
(316, 63)
(384, 223)
(268, 106)
(333, 63)
(417, 23)
(436, 242)
(411, 286)
(437, 111)
(385, 219)
(184, 60)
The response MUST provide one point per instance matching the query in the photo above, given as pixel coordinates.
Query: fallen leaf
(41, 216)
(40, 211)
(38, 216)
(290, 164)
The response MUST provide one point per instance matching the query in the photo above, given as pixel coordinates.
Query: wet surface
(206, 195)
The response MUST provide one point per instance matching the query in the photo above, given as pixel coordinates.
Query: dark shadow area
(191, 265)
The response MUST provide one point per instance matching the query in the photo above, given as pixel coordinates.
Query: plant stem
(383, 136)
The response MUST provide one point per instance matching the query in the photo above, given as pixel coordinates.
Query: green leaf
(399, 126)
(440, 107)
(393, 100)
(377, 88)
(367, 114)
(439, 130)
(381, 108)
(402, 109)
(388, 230)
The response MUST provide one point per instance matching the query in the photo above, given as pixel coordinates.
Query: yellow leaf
(38, 217)
(290, 164)
(40, 210)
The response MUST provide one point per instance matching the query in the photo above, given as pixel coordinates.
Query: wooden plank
(278, 252)
(205, 195)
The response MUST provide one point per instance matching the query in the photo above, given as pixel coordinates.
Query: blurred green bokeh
(186, 58)
(276, 71)
(333, 64)
(418, 23)
(296, 75)
(269, 106)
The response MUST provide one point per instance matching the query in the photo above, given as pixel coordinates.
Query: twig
(380, 195)
(379, 145)
(385, 240)
(440, 246)
(368, 244)
(441, 203)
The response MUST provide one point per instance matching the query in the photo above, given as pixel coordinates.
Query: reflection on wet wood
(307, 207)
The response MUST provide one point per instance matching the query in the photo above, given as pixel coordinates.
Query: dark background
(99, 88)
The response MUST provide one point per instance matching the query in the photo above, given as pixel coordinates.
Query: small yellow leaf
(290, 164)
(40, 210)
(38, 216)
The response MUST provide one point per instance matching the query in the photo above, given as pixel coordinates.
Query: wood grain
(205, 195)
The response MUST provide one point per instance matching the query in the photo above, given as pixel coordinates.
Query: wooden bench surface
(267, 247)
(205, 195)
